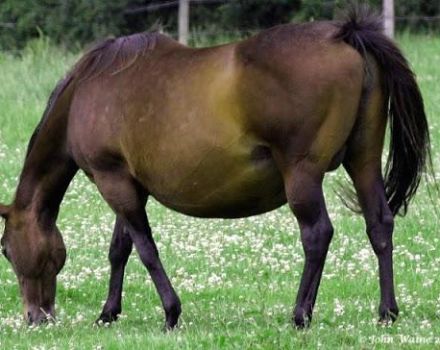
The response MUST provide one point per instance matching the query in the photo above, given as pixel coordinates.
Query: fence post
(388, 16)
(183, 21)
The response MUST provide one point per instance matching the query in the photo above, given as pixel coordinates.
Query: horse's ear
(4, 211)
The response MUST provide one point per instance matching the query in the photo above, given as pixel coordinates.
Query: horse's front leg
(120, 249)
(128, 199)
(305, 197)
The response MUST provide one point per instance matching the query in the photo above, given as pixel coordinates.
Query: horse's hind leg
(379, 222)
(127, 199)
(363, 163)
(368, 181)
(120, 249)
(305, 197)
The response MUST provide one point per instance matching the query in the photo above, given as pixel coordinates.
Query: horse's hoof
(106, 318)
(169, 328)
(388, 315)
(301, 318)
(170, 325)
(172, 317)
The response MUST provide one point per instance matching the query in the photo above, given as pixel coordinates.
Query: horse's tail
(409, 148)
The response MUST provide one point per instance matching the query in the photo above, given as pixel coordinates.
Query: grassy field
(237, 278)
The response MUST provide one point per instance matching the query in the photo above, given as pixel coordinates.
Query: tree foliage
(72, 22)
(410, 14)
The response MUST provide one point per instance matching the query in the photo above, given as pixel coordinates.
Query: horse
(222, 132)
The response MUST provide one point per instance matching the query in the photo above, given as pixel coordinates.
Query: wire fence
(209, 34)
(166, 4)
(411, 21)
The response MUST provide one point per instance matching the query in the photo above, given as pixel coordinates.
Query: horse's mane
(113, 55)
(59, 89)
(108, 56)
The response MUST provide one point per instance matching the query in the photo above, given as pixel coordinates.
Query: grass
(237, 278)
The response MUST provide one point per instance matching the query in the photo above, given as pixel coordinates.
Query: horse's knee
(120, 249)
(316, 240)
(380, 235)
(307, 202)
(116, 257)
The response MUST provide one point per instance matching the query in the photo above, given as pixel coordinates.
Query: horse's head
(36, 253)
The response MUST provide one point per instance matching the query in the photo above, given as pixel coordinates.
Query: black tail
(409, 148)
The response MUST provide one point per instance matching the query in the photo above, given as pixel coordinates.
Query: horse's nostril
(29, 318)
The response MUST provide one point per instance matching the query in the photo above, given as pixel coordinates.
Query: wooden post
(183, 21)
(388, 16)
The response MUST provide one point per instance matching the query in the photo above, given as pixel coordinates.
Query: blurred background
(74, 23)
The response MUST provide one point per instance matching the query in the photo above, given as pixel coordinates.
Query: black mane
(108, 56)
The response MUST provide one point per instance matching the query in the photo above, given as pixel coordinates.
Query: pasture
(237, 279)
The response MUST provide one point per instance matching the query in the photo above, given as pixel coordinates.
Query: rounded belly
(222, 183)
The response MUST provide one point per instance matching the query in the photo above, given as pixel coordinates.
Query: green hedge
(73, 22)
(411, 14)
(76, 22)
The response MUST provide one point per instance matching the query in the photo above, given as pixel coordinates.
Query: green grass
(237, 278)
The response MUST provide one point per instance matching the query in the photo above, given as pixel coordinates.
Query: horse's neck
(46, 174)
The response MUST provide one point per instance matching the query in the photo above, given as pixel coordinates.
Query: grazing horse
(226, 132)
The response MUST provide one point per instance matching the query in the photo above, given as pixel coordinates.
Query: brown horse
(227, 131)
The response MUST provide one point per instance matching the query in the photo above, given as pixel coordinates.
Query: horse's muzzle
(36, 316)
